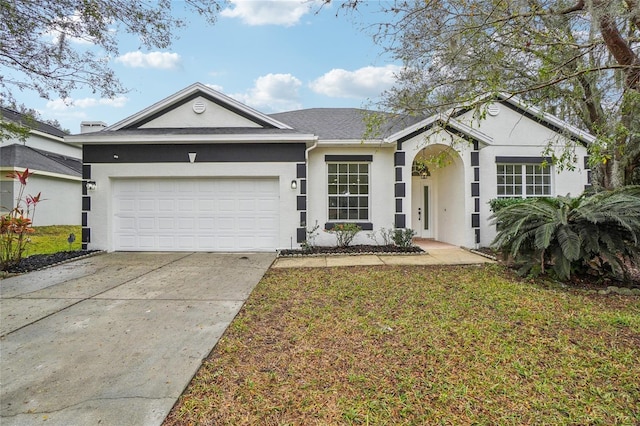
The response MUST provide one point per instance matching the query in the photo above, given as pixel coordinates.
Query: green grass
(420, 345)
(53, 239)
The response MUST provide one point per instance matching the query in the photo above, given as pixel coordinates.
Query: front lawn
(420, 345)
(54, 239)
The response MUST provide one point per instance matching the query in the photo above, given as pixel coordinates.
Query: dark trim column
(399, 161)
(301, 202)
(475, 191)
(86, 206)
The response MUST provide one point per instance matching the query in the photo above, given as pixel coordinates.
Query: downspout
(308, 150)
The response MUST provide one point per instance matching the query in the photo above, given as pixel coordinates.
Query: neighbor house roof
(25, 120)
(22, 156)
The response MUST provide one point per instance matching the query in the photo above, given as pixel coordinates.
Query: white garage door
(195, 214)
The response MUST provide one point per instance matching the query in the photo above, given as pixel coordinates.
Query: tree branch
(575, 8)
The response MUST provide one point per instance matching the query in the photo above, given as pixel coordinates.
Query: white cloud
(160, 60)
(216, 87)
(367, 82)
(272, 93)
(269, 12)
(70, 103)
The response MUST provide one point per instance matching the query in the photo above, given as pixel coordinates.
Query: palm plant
(599, 231)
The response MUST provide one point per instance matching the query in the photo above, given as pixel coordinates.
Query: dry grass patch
(419, 345)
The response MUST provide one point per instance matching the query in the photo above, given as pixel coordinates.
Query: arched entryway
(438, 194)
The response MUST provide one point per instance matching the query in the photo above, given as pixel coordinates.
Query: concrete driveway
(115, 338)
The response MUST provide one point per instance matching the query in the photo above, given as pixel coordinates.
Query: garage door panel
(196, 214)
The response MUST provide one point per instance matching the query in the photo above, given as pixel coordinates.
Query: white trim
(40, 173)
(186, 92)
(117, 138)
(445, 120)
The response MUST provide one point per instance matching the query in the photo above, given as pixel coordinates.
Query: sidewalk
(441, 255)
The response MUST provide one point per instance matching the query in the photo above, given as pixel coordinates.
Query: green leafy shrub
(598, 232)
(403, 237)
(345, 233)
(499, 203)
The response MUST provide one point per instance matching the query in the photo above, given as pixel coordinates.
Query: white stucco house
(201, 171)
(56, 167)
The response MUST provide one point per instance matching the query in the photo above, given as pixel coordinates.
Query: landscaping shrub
(345, 233)
(16, 225)
(597, 232)
(403, 237)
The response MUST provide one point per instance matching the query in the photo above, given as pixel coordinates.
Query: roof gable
(198, 106)
(451, 119)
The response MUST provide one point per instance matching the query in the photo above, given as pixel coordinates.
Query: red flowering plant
(16, 225)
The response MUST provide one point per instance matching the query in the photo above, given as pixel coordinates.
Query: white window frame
(529, 176)
(343, 190)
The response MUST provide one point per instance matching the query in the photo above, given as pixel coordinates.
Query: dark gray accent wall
(400, 221)
(475, 158)
(301, 234)
(301, 203)
(207, 153)
(86, 170)
(301, 171)
(399, 159)
(475, 189)
(86, 237)
(400, 190)
(398, 174)
(522, 160)
(86, 204)
(348, 158)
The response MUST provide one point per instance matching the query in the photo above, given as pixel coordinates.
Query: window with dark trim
(348, 191)
(523, 180)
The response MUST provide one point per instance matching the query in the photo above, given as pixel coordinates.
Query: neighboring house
(56, 167)
(201, 171)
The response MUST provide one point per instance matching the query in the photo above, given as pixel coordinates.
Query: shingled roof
(342, 123)
(25, 120)
(17, 155)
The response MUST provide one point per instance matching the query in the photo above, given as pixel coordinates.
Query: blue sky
(274, 55)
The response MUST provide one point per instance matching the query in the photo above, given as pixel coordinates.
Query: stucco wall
(381, 187)
(61, 199)
(49, 144)
(213, 116)
(509, 134)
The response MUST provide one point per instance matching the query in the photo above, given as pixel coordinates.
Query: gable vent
(199, 107)
(493, 109)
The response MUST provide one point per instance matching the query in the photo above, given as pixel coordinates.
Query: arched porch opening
(437, 194)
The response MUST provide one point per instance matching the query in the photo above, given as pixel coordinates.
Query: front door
(422, 209)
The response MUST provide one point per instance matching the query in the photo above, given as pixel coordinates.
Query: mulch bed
(355, 249)
(41, 261)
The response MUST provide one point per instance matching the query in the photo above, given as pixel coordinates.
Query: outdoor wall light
(294, 184)
(91, 185)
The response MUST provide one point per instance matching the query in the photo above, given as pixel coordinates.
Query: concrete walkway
(114, 339)
(442, 255)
